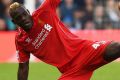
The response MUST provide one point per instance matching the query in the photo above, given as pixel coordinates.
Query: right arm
(23, 59)
(23, 71)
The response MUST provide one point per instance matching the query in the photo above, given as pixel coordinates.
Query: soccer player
(47, 38)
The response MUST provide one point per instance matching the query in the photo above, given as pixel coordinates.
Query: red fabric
(83, 65)
(98, 34)
(49, 39)
(8, 50)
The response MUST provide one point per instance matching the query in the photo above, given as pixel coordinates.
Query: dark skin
(112, 51)
(23, 71)
(23, 19)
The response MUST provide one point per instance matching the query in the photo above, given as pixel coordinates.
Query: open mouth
(27, 23)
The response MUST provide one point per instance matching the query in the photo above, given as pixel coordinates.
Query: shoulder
(19, 32)
(20, 35)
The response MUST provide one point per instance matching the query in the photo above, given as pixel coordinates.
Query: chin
(28, 27)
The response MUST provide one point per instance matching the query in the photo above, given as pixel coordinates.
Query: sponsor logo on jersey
(42, 36)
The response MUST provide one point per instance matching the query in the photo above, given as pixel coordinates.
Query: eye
(17, 17)
(25, 14)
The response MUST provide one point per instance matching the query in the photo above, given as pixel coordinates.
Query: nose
(23, 18)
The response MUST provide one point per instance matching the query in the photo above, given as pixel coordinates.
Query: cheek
(30, 18)
(18, 22)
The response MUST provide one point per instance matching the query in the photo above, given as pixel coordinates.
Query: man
(46, 37)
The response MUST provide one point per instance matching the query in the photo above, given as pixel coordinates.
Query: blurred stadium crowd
(77, 14)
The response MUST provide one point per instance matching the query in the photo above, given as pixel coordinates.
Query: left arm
(23, 70)
(47, 5)
(54, 3)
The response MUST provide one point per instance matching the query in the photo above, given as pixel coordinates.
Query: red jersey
(49, 39)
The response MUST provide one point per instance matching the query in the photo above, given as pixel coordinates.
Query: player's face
(23, 18)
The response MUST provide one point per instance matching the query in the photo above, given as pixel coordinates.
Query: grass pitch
(41, 71)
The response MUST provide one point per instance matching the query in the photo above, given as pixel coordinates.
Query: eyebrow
(20, 10)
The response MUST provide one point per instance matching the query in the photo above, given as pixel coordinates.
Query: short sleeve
(54, 3)
(21, 54)
(47, 5)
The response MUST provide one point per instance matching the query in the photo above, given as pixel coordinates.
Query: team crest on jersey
(48, 27)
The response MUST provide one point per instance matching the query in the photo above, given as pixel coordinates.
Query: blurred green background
(42, 71)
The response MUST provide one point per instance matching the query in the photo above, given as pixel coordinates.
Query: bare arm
(23, 71)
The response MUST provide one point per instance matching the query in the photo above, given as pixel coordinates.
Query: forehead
(19, 11)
